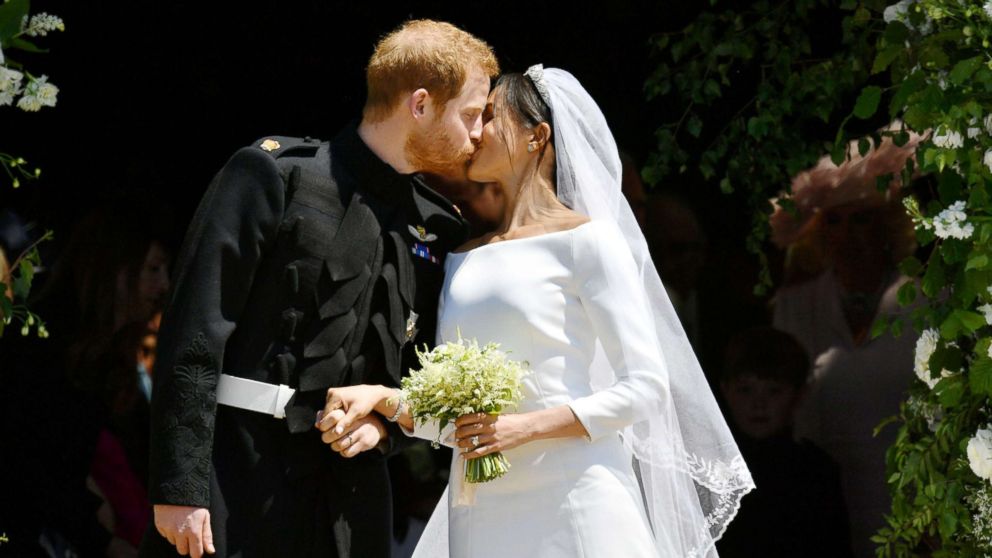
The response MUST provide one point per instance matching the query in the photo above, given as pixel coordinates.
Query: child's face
(761, 407)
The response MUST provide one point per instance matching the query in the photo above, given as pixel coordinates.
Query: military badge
(422, 251)
(269, 145)
(411, 326)
(421, 233)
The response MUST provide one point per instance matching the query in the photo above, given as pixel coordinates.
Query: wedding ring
(475, 441)
(348, 437)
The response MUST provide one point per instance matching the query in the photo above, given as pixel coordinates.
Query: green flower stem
(486, 468)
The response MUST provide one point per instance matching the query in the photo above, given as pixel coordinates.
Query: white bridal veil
(692, 474)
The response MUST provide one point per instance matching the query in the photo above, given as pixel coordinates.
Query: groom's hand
(361, 435)
(186, 528)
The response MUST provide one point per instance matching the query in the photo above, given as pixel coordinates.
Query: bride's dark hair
(517, 97)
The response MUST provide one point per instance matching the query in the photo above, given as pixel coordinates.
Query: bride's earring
(531, 147)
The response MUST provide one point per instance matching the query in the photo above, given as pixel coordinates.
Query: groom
(310, 265)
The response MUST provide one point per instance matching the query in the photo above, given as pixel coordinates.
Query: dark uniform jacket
(307, 264)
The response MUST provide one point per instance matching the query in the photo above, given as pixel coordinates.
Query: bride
(618, 447)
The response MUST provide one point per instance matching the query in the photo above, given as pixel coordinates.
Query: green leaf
(933, 57)
(949, 391)
(907, 293)
(963, 70)
(897, 326)
(977, 262)
(980, 376)
(867, 103)
(896, 34)
(21, 44)
(970, 321)
(880, 326)
(885, 57)
(911, 266)
(725, 186)
(933, 279)
(11, 14)
(864, 146)
(694, 126)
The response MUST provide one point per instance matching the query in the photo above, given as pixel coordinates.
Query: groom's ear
(542, 134)
(419, 103)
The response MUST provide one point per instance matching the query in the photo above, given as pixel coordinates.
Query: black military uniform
(307, 264)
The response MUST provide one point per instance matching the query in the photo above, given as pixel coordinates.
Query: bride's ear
(541, 135)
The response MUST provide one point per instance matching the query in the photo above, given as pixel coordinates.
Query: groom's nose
(475, 134)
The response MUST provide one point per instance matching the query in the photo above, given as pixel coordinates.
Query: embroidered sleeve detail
(192, 395)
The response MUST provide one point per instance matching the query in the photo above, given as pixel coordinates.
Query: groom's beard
(433, 152)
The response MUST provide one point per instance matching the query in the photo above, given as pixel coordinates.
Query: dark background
(155, 96)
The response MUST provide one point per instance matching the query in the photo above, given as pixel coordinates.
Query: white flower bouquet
(461, 378)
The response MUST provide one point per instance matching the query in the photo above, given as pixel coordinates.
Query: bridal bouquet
(460, 378)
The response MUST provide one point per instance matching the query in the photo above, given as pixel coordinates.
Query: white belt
(250, 395)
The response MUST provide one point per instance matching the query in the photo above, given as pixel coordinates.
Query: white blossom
(41, 24)
(10, 85)
(986, 309)
(988, 159)
(953, 222)
(900, 12)
(897, 12)
(925, 347)
(980, 453)
(974, 132)
(29, 103)
(988, 8)
(37, 94)
(950, 139)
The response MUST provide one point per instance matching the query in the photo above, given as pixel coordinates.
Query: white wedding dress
(547, 300)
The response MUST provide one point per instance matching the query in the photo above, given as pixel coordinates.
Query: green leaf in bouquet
(21, 44)
(867, 103)
(12, 13)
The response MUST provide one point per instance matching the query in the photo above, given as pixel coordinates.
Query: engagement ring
(475, 441)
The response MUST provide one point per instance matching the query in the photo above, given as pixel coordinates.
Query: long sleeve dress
(548, 300)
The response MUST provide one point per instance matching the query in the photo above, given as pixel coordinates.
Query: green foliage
(762, 140)
(927, 63)
(17, 27)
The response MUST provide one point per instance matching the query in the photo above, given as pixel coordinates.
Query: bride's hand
(481, 434)
(356, 402)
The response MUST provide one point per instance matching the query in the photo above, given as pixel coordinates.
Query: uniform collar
(373, 174)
